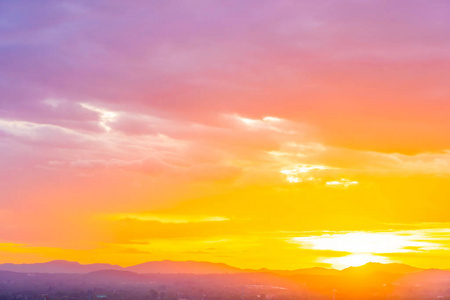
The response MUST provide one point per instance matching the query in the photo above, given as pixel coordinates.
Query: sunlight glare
(355, 260)
(363, 246)
(363, 242)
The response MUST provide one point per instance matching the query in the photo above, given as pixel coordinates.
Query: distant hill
(382, 268)
(198, 267)
(427, 277)
(157, 267)
(57, 266)
(308, 271)
(183, 267)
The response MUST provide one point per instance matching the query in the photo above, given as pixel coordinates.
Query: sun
(355, 260)
(362, 247)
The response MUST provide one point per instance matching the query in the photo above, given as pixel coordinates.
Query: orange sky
(286, 134)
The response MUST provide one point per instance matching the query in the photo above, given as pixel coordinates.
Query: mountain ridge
(194, 267)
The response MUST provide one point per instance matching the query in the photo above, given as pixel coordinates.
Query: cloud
(149, 166)
(363, 247)
(111, 107)
(366, 242)
(275, 55)
(156, 167)
(343, 182)
(134, 251)
(43, 134)
(176, 219)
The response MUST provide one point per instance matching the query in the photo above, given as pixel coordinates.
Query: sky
(280, 134)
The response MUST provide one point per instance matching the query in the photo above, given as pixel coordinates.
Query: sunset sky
(281, 134)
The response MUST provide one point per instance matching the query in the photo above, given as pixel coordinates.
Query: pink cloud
(178, 75)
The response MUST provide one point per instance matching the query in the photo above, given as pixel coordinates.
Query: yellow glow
(363, 246)
(277, 153)
(342, 183)
(363, 242)
(303, 169)
(179, 219)
(297, 173)
(9, 245)
(354, 260)
(293, 179)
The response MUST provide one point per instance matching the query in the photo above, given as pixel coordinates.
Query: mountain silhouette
(57, 266)
(307, 271)
(199, 267)
(394, 268)
(183, 267)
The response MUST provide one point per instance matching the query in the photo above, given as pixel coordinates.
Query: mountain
(183, 267)
(114, 275)
(308, 271)
(198, 267)
(394, 268)
(57, 266)
(427, 277)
